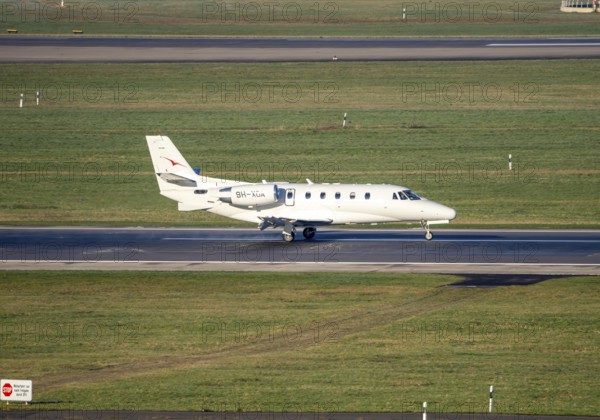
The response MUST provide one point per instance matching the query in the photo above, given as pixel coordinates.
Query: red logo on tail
(173, 162)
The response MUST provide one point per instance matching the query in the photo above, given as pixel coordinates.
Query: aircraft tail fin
(173, 172)
(166, 158)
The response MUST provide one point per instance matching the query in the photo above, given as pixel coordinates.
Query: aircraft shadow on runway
(497, 280)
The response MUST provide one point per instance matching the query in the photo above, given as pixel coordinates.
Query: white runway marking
(554, 44)
(340, 263)
(558, 241)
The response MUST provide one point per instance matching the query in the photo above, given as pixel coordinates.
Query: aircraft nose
(441, 212)
(449, 213)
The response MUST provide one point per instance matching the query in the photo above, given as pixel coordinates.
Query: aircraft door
(290, 196)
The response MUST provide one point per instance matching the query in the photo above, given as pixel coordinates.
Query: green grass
(275, 341)
(298, 18)
(443, 129)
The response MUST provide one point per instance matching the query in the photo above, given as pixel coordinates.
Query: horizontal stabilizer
(178, 180)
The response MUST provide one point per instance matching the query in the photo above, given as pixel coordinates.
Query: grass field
(296, 18)
(442, 129)
(300, 342)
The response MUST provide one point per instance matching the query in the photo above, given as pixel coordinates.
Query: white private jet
(289, 205)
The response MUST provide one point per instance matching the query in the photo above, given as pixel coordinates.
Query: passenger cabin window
(337, 195)
(307, 195)
(352, 196)
(367, 196)
(323, 195)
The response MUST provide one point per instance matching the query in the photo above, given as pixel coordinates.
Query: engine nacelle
(255, 195)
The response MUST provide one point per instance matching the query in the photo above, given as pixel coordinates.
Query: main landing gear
(289, 233)
(309, 232)
(428, 234)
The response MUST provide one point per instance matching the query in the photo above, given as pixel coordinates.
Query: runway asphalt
(542, 252)
(121, 50)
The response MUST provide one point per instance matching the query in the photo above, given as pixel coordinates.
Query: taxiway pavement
(120, 50)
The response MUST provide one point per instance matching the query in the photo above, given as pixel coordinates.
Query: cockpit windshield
(410, 194)
(405, 195)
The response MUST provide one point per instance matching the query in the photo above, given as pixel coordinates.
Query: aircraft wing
(274, 222)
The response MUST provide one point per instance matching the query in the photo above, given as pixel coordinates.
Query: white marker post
(21, 101)
(425, 410)
(491, 398)
(404, 14)
(344, 122)
(37, 98)
(509, 162)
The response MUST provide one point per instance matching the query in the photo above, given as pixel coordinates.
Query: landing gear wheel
(309, 232)
(288, 237)
(428, 234)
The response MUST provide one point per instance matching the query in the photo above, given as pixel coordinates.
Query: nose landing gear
(428, 234)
